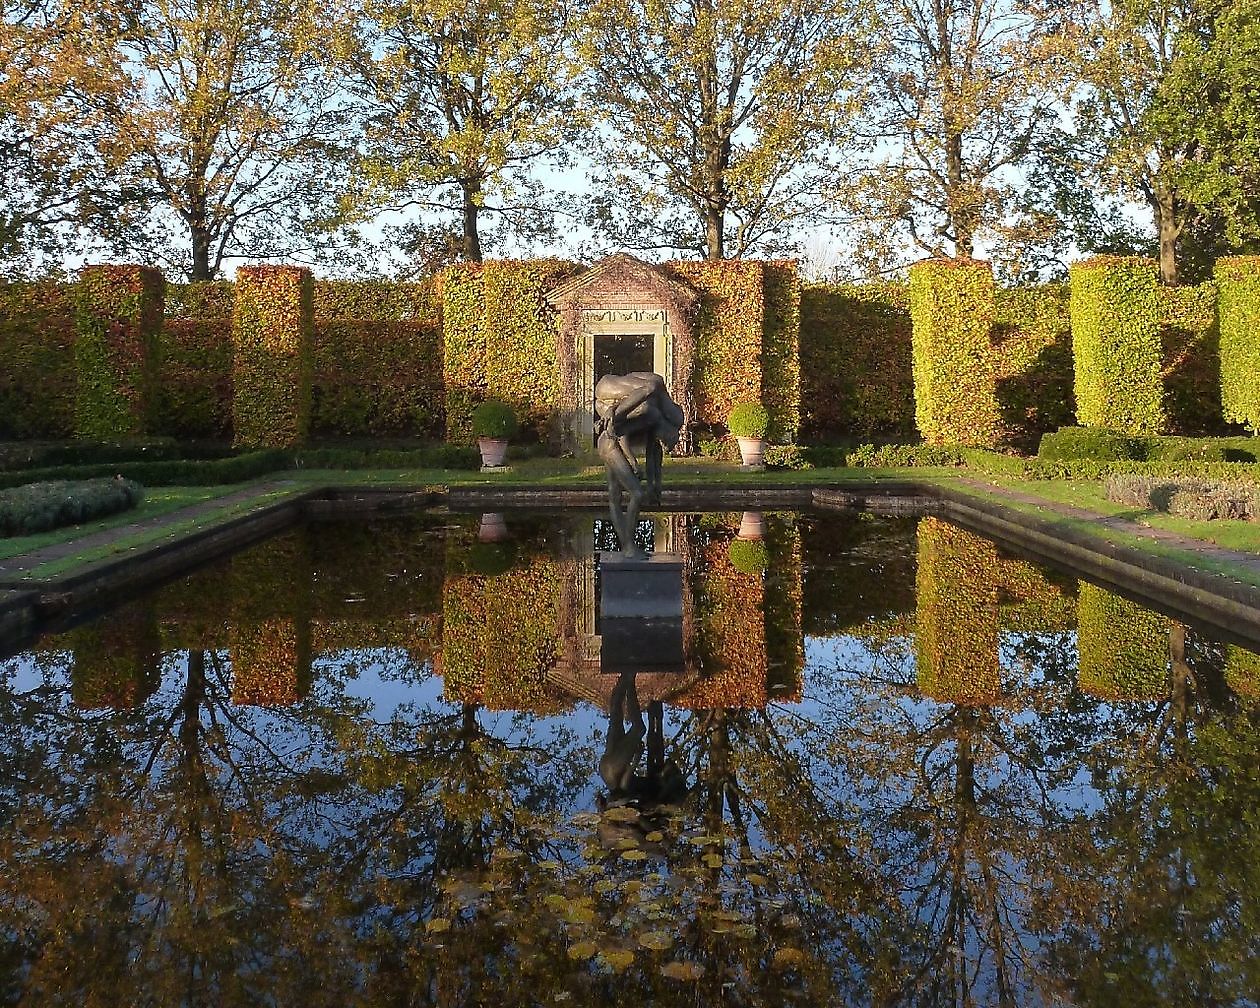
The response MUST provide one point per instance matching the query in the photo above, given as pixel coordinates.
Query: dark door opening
(618, 355)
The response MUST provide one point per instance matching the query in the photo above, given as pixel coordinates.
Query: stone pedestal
(641, 613)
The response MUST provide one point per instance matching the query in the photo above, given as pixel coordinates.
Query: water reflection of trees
(920, 830)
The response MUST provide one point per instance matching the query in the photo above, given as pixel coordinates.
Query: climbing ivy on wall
(956, 634)
(118, 318)
(1122, 647)
(37, 376)
(952, 314)
(1116, 345)
(272, 356)
(1238, 278)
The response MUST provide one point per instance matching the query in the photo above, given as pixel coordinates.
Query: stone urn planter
(493, 452)
(748, 422)
(493, 424)
(752, 526)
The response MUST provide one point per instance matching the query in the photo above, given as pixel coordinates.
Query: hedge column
(464, 347)
(1238, 309)
(1116, 345)
(118, 319)
(952, 312)
(272, 352)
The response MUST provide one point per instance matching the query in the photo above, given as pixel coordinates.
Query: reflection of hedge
(952, 313)
(464, 347)
(1116, 344)
(855, 360)
(1190, 348)
(118, 318)
(495, 650)
(37, 350)
(731, 634)
(956, 636)
(1122, 647)
(780, 350)
(271, 358)
(1242, 672)
(728, 333)
(271, 663)
(1238, 278)
(785, 645)
(1033, 361)
(1030, 602)
(117, 660)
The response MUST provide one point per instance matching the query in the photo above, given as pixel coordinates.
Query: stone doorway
(627, 341)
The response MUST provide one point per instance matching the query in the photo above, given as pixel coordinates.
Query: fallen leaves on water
(616, 959)
(583, 950)
(678, 970)
(656, 940)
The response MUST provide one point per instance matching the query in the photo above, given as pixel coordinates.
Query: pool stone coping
(27, 599)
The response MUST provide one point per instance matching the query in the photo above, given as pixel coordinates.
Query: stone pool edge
(27, 602)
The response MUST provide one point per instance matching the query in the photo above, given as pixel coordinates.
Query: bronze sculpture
(632, 411)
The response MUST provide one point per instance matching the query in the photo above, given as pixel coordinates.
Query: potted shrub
(493, 424)
(748, 422)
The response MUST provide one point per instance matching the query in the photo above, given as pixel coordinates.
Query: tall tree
(719, 118)
(461, 100)
(962, 92)
(215, 121)
(1167, 115)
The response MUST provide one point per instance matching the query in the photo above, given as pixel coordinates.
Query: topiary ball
(748, 420)
(748, 556)
(494, 419)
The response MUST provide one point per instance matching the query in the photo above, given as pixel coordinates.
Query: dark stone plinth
(641, 644)
(640, 587)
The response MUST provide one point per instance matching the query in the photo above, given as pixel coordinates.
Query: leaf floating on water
(604, 886)
(621, 813)
(583, 950)
(758, 880)
(713, 860)
(657, 940)
(788, 956)
(677, 970)
(634, 854)
(617, 959)
(437, 925)
(656, 836)
(704, 841)
(625, 843)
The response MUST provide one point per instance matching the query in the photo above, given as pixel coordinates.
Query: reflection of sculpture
(633, 410)
(663, 783)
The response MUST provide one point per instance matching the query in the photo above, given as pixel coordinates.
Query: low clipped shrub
(1150, 493)
(41, 507)
(749, 556)
(748, 420)
(26, 455)
(494, 419)
(902, 456)
(1182, 449)
(175, 473)
(442, 456)
(1197, 499)
(788, 456)
(1089, 443)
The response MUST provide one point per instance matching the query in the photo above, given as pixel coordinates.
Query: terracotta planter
(752, 526)
(493, 528)
(751, 451)
(493, 452)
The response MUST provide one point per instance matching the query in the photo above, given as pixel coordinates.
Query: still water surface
(380, 763)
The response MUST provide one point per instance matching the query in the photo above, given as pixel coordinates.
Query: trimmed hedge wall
(728, 333)
(1190, 348)
(952, 311)
(520, 338)
(1238, 278)
(36, 360)
(1116, 345)
(462, 290)
(1122, 647)
(956, 635)
(195, 385)
(1032, 362)
(118, 318)
(780, 350)
(856, 361)
(272, 356)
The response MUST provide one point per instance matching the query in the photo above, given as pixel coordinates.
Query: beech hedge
(1239, 310)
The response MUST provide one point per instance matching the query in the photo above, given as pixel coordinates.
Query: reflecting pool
(385, 763)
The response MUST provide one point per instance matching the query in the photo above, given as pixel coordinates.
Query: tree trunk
(714, 226)
(471, 189)
(201, 269)
(1166, 206)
